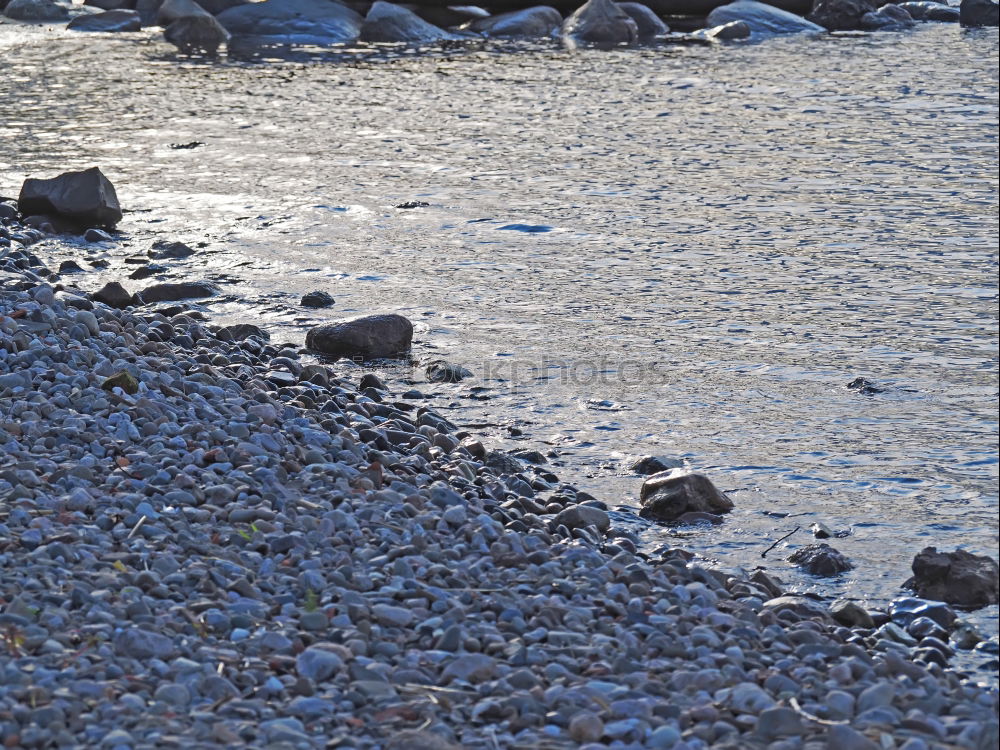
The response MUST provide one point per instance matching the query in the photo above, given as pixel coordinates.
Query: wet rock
(655, 464)
(648, 23)
(370, 337)
(69, 266)
(109, 21)
(820, 560)
(669, 495)
(144, 272)
(316, 299)
(841, 15)
(165, 249)
(602, 23)
(958, 578)
(113, 294)
(581, 516)
(173, 10)
(802, 606)
(761, 18)
(172, 292)
(924, 10)
(299, 21)
(242, 332)
(978, 13)
(87, 198)
(889, 17)
(35, 10)
(440, 371)
(123, 380)
(196, 35)
(864, 385)
(851, 614)
(387, 22)
(530, 23)
(97, 235)
(727, 31)
(906, 609)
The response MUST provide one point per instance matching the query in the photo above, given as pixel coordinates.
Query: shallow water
(686, 251)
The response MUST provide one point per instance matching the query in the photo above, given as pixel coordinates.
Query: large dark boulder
(370, 337)
(530, 23)
(821, 560)
(109, 21)
(35, 10)
(84, 198)
(669, 495)
(646, 21)
(174, 292)
(761, 18)
(600, 23)
(979, 13)
(294, 21)
(841, 15)
(197, 35)
(958, 578)
(890, 17)
(387, 22)
(113, 294)
(925, 10)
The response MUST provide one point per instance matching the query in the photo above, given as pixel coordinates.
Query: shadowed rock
(35, 10)
(173, 292)
(887, 18)
(601, 23)
(727, 32)
(531, 23)
(86, 198)
(370, 337)
(300, 21)
(958, 577)
(979, 13)
(841, 15)
(172, 10)
(440, 371)
(761, 18)
(923, 10)
(821, 560)
(111, 4)
(669, 495)
(109, 21)
(646, 21)
(113, 294)
(200, 34)
(387, 22)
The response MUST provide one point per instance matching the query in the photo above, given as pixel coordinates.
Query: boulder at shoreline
(369, 337)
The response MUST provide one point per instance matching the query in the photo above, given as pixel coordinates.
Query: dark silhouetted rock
(164, 249)
(923, 10)
(111, 4)
(530, 23)
(979, 13)
(889, 17)
(196, 35)
(761, 18)
(109, 21)
(851, 614)
(370, 337)
(820, 560)
(122, 380)
(670, 494)
(387, 22)
(655, 464)
(646, 21)
(726, 32)
(35, 10)
(601, 23)
(906, 609)
(70, 266)
(298, 21)
(958, 578)
(86, 198)
(242, 331)
(97, 235)
(446, 372)
(173, 292)
(316, 299)
(841, 15)
(144, 272)
(113, 294)
(581, 516)
(171, 10)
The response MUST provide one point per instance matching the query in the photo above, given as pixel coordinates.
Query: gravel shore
(206, 542)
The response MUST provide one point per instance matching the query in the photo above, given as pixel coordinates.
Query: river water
(685, 251)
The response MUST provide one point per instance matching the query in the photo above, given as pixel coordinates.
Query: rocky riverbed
(206, 539)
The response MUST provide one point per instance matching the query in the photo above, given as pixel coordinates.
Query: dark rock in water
(146, 271)
(8, 211)
(865, 386)
(387, 22)
(906, 609)
(727, 31)
(163, 249)
(69, 266)
(111, 4)
(600, 22)
(241, 332)
(670, 494)
(502, 463)
(703, 7)
(531, 456)
(761, 18)
(172, 10)
(821, 560)
(924, 10)
(97, 235)
(316, 299)
(978, 13)
(530, 23)
(841, 15)
(370, 337)
(412, 204)
(370, 380)
(173, 292)
(35, 10)
(889, 17)
(109, 21)
(925, 627)
(196, 35)
(113, 294)
(87, 198)
(122, 380)
(301, 21)
(851, 614)
(646, 21)
(582, 516)
(655, 464)
(445, 372)
(958, 578)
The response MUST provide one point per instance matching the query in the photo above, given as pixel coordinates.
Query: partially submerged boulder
(173, 292)
(197, 35)
(387, 22)
(669, 495)
(821, 560)
(762, 18)
(440, 371)
(646, 21)
(530, 23)
(109, 21)
(979, 13)
(841, 15)
(35, 10)
(889, 17)
(958, 578)
(925, 10)
(602, 23)
(369, 337)
(85, 198)
(300, 21)
(171, 10)
(113, 294)
(726, 32)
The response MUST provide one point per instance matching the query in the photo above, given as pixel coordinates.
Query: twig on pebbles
(764, 553)
(794, 703)
(138, 525)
